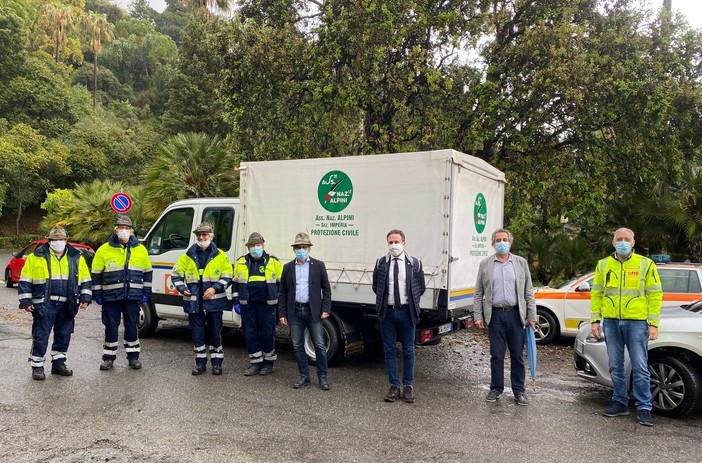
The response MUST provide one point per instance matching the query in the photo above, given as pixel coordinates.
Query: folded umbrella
(530, 342)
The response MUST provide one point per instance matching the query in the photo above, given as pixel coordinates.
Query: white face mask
(395, 249)
(124, 235)
(204, 244)
(57, 246)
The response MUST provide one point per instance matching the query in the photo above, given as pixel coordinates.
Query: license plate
(580, 346)
(445, 328)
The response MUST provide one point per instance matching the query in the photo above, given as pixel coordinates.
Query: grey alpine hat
(124, 220)
(57, 233)
(255, 238)
(302, 239)
(204, 227)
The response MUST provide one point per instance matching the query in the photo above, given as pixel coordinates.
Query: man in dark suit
(398, 284)
(305, 300)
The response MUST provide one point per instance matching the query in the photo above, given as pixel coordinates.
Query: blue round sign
(121, 203)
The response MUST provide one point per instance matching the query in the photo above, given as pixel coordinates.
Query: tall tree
(61, 17)
(100, 28)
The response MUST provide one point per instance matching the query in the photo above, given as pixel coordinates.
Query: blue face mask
(301, 254)
(502, 247)
(256, 251)
(623, 248)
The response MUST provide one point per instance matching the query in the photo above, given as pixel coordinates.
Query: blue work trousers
(506, 331)
(112, 313)
(632, 334)
(397, 325)
(258, 321)
(207, 324)
(57, 319)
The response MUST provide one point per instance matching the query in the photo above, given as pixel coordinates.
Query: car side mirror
(583, 287)
(14, 254)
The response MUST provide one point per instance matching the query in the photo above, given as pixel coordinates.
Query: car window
(223, 221)
(172, 232)
(27, 250)
(679, 280)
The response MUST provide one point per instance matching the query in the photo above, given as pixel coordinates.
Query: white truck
(446, 202)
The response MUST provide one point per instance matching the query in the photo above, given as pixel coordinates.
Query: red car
(14, 267)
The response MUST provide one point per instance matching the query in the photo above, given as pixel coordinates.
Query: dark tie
(396, 282)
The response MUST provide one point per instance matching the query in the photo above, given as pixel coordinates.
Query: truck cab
(170, 238)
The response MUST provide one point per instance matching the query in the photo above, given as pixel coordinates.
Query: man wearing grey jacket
(504, 302)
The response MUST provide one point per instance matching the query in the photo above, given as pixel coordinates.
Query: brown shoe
(393, 394)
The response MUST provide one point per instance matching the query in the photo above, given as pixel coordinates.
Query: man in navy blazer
(304, 301)
(398, 284)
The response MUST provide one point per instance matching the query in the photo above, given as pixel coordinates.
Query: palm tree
(672, 216)
(61, 18)
(86, 213)
(193, 165)
(100, 28)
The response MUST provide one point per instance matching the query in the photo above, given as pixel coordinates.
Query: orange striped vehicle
(561, 310)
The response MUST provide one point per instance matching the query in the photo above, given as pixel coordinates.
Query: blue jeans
(506, 331)
(300, 318)
(397, 325)
(632, 334)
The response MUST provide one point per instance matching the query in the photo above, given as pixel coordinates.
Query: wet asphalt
(162, 413)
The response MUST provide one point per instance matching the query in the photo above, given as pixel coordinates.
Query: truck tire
(676, 385)
(332, 339)
(8, 278)
(148, 321)
(547, 329)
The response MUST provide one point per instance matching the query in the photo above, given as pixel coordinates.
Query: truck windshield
(172, 232)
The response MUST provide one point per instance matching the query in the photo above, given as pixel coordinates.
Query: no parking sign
(121, 203)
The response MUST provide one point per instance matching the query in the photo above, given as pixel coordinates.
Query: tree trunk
(94, 80)
(17, 221)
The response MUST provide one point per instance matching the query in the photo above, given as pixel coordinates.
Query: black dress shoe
(135, 364)
(302, 382)
(61, 370)
(324, 383)
(216, 370)
(199, 369)
(38, 373)
(408, 394)
(393, 394)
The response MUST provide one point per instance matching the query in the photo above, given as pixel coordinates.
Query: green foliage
(194, 105)
(189, 166)
(30, 162)
(86, 213)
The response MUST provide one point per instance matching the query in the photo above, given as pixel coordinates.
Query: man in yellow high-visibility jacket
(255, 293)
(626, 303)
(55, 283)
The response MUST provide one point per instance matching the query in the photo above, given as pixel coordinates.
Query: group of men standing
(625, 304)
(56, 282)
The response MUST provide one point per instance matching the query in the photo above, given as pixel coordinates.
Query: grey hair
(623, 229)
(502, 230)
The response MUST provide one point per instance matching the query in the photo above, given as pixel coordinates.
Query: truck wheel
(675, 386)
(148, 321)
(332, 340)
(8, 278)
(546, 327)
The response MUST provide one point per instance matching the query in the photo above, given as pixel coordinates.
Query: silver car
(674, 360)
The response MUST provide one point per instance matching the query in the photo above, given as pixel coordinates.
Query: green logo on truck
(480, 213)
(335, 191)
